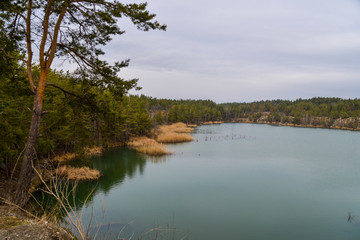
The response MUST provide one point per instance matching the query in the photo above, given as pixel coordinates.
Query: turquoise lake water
(235, 181)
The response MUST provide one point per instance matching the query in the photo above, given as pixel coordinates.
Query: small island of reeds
(174, 133)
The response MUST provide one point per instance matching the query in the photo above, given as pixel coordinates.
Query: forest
(88, 116)
(46, 112)
(318, 111)
(73, 129)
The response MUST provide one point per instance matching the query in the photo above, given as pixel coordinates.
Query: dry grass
(176, 127)
(148, 146)
(77, 174)
(71, 156)
(212, 122)
(173, 137)
(94, 151)
(174, 133)
(64, 158)
(153, 150)
(140, 141)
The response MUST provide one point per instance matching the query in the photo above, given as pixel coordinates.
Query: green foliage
(301, 111)
(255, 116)
(15, 101)
(159, 118)
(73, 30)
(188, 111)
(86, 116)
(88, 107)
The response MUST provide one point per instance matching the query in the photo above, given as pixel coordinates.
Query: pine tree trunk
(21, 195)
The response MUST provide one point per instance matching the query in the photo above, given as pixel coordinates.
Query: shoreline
(23, 224)
(296, 125)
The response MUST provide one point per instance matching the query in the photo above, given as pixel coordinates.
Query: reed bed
(174, 137)
(148, 146)
(175, 127)
(212, 122)
(174, 133)
(64, 158)
(94, 151)
(153, 150)
(77, 174)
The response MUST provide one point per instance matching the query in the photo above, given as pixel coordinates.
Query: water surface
(235, 181)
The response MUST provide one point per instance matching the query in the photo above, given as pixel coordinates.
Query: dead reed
(64, 158)
(94, 151)
(77, 174)
(212, 122)
(153, 150)
(175, 127)
(174, 137)
(174, 133)
(148, 146)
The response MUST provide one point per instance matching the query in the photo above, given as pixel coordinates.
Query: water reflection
(157, 159)
(281, 182)
(114, 165)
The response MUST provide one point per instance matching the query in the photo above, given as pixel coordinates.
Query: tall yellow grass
(78, 174)
(174, 133)
(70, 156)
(175, 127)
(94, 151)
(148, 146)
(64, 158)
(173, 137)
(212, 122)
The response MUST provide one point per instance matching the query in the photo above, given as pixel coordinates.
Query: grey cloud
(246, 50)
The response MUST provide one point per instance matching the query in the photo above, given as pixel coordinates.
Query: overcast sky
(245, 50)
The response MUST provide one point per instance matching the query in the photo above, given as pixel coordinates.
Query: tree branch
(82, 98)
(13, 58)
(65, 91)
(55, 36)
(28, 45)
(82, 58)
(45, 34)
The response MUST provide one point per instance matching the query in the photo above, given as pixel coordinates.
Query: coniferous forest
(47, 112)
(87, 116)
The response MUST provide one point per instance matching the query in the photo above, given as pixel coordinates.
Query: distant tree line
(188, 111)
(319, 111)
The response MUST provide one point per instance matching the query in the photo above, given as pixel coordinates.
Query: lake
(235, 181)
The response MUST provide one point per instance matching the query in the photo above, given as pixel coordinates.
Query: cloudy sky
(245, 50)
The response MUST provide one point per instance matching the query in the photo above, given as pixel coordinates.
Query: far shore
(294, 125)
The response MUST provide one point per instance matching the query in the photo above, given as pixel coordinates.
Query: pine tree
(66, 28)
